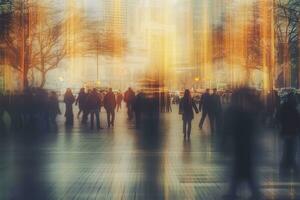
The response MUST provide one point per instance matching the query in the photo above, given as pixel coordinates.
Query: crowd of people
(238, 119)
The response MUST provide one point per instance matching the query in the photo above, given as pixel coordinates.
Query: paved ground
(125, 163)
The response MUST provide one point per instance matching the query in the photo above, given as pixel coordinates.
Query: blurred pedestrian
(169, 103)
(186, 107)
(216, 110)
(53, 107)
(80, 101)
(205, 106)
(119, 101)
(69, 100)
(289, 119)
(110, 106)
(240, 130)
(93, 106)
(129, 96)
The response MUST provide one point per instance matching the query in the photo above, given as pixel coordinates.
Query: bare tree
(287, 20)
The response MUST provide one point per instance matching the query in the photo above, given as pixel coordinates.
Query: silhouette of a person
(186, 107)
(129, 100)
(69, 100)
(205, 106)
(93, 106)
(110, 106)
(289, 119)
(240, 129)
(216, 110)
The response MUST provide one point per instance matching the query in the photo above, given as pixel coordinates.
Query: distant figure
(110, 106)
(205, 106)
(119, 101)
(289, 119)
(129, 100)
(240, 129)
(93, 106)
(169, 103)
(80, 101)
(216, 110)
(138, 106)
(186, 107)
(2, 109)
(69, 99)
(162, 102)
(53, 107)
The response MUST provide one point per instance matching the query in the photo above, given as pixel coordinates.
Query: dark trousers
(187, 127)
(119, 106)
(93, 113)
(129, 111)
(211, 119)
(110, 117)
(288, 160)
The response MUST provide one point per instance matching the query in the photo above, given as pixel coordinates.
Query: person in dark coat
(93, 105)
(119, 101)
(186, 107)
(169, 102)
(129, 96)
(239, 134)
(110, 106)
(289, 119)
(138, 108)
(80, 101)
(205, 106)
(54, 109)
(216, 110)
(69, 100)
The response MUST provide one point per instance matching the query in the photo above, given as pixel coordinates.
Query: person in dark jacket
(110, 106)
(93, 106)
(289, 119)
(239, 134)
(80, 101)
(138, 108)
(186, 107)
(205, 106)
(129, 96)
(53, 107)
(69, 100)
(216, 110)
(119, 101)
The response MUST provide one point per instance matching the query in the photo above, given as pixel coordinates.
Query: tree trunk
(43, 79)
(25, 78)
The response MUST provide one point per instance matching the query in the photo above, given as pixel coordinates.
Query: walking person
(129, 97)
(138, 105)
(216, 110)
(93, 107)
(69, 100)
(80, 101)
(289, 119)
(186, 109)
(240, 136)
(119, 101)
(205, 106)
(169, 103)
(110, 106)
(53, 107)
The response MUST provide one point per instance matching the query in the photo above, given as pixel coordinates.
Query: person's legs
(92, 118)
(204, 113)
(97, 119)
(112, 117)
(211, 117)
(189, 123)
(108, 117)
(184, 128)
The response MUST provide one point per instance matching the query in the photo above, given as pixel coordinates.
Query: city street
(126, 163)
